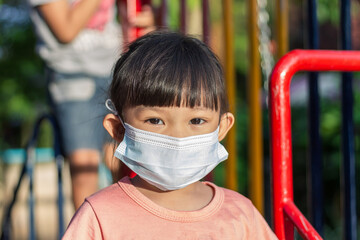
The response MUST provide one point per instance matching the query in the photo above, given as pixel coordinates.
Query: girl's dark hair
(168, 69)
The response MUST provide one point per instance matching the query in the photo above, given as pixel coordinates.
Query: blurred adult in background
(79, 41)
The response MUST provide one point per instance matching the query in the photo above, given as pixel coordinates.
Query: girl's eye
(155, 121)
(197, 121)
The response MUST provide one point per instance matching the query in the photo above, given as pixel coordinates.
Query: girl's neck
(191, 198)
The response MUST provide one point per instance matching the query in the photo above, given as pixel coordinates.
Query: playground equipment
(27, 169)
(282, 27)
(256, 189)
(315, 189)
(315, 157)
(315, 165)
(286, 214)
(231, 179)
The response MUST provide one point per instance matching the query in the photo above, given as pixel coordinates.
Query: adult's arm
(145, 20)
(65, 20)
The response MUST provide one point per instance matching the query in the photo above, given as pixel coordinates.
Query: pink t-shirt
(120, 211)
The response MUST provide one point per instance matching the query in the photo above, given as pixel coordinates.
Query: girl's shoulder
(111, 202)
(235, 201)
(231, 195)
(109, 194)
(241, 208)
(238, 198)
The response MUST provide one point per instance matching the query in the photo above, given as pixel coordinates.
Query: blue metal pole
(59, 159)
(348, 162)
(59, 163)
(29, 168)
(30, 162)
(315, 165)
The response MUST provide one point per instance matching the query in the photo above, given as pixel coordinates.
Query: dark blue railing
(348, 149)
(27, 169)
(348, 178)
(316, 170)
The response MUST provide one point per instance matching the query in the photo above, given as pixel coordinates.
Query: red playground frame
(286, 214)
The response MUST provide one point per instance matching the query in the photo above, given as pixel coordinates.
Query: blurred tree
(22, 92)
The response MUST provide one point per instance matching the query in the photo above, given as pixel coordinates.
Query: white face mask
(170, 163)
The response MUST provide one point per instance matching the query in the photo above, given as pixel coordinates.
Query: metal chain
(267, 60)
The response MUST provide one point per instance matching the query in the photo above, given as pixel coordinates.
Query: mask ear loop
(110, 106)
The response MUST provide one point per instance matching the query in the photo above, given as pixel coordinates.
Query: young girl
(169, 113)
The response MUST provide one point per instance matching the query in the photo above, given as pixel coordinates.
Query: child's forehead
(164, 109)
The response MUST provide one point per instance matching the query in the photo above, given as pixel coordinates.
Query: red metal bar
(280, 122)
(132, 8)
(301, 223)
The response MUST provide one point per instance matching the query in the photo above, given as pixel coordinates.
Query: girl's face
(173, 121)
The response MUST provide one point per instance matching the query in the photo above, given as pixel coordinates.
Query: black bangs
(168, 69)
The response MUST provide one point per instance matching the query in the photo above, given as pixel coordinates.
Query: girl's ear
(226, 122)
(114, 127)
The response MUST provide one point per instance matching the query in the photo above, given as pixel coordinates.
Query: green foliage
(241, 36)
(328, 11)
(174, 11)
(22, 91)
(173, 17)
